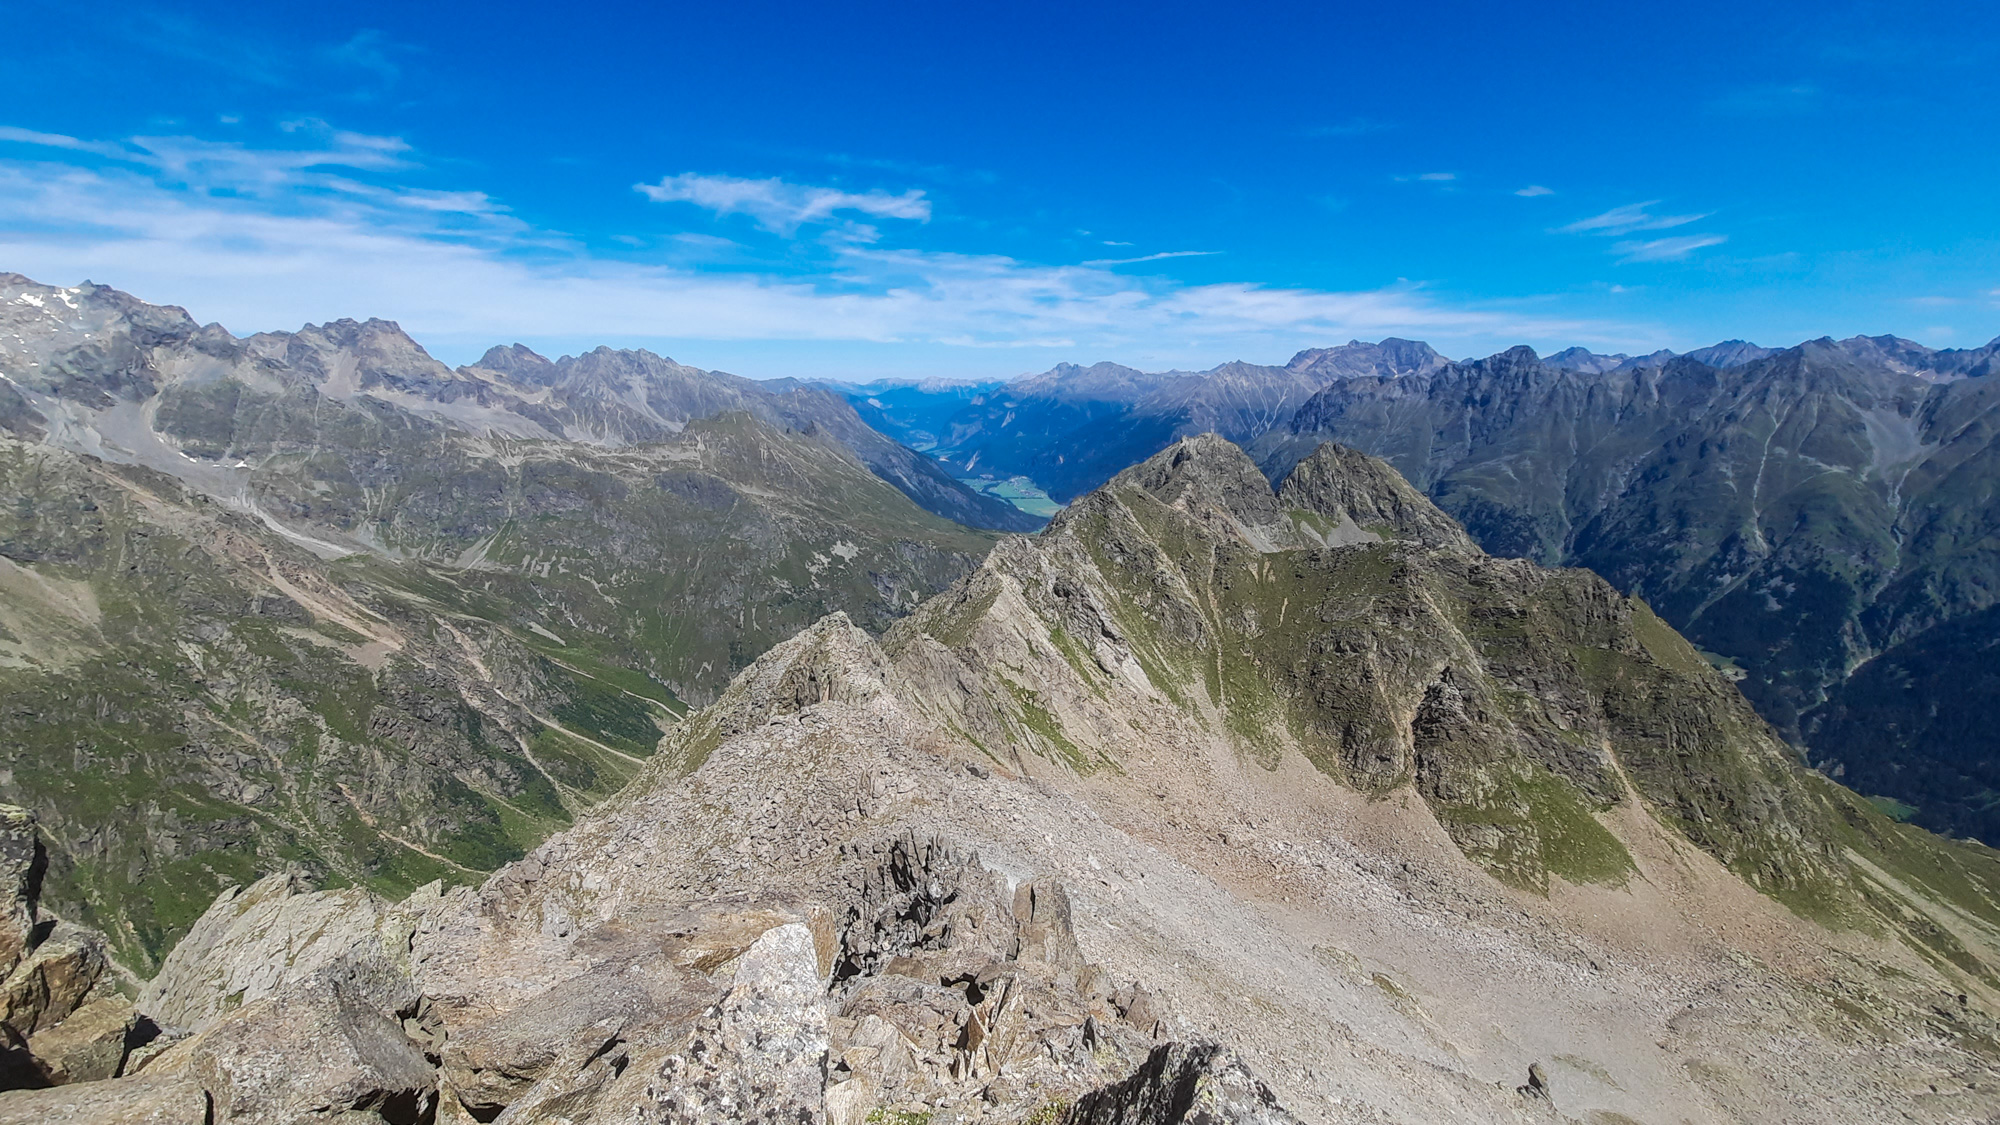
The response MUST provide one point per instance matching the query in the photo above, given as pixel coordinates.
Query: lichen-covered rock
(21, 863)
(59, 975)
(90, 1044)
(759, 1056)
(144, 1100)
(315, 1051)
(254, 941)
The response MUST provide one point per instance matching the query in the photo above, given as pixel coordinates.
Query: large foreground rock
(144, 1100)
(319, 1051)
(61, 1019)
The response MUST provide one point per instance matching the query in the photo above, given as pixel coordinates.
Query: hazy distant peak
(1393, 356)
(1583, 359)
(1069, 380)
(520, 363)
(1731, 353)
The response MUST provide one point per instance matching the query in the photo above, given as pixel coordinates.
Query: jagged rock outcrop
(1357, 490)
(22, 862)
(1182, 1083)
(319, 1050)
(62, 1018)
(255, 941)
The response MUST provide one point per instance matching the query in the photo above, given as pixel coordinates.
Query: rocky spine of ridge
(1345, 618)
(1050, 854)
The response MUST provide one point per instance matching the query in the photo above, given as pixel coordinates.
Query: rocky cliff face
(313, 602)
(1209, 804)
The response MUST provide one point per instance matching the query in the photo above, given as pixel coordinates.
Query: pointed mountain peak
(1595, 363)
(1730, 353)
(1351, 489)
(830, 661)
(1205, 471)
(520, 363)
(1520, 355)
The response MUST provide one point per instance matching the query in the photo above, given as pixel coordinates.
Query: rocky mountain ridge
(1211, 803)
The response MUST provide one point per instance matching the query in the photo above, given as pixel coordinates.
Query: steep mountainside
(1209, 804)
(1072, 428)
(289, 602)
(1800, 515)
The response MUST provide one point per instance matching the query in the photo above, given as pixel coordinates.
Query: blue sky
(986, 189)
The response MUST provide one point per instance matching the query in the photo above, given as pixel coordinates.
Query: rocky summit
(1211, 803)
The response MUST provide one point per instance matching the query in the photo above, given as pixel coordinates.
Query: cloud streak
(779, 206)
(1352, 127)
(326, 231)
(1164, 254)
(1666, 249)
(1634, 218)
(1629, 218)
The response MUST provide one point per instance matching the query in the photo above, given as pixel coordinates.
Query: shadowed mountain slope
(1799, 515)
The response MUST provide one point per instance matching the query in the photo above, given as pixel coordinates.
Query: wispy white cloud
(1164, 254)
(1633, 218)
(780, 206)
(328, 232)
(1428, 178)
(11, 134)
(1666, 249)
(1533, 190)
(235, 167)
(1629, 218)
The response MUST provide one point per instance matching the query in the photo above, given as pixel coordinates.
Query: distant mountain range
(1073, 428)
(1820, 518)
